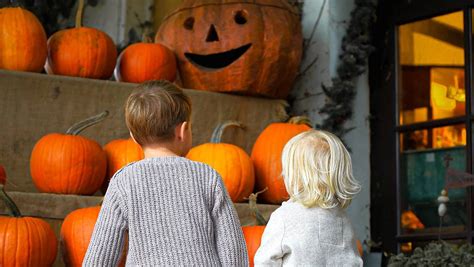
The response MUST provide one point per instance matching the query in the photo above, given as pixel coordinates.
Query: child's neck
(159, 151)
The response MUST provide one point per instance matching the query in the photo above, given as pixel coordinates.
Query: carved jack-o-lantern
(250, 47)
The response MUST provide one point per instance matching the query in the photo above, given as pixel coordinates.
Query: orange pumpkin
(119, 153)
(253, 237)
(266, 157)
(68, 163)
(81, 52)
(3, 175)
(76, 234)
(22, 40)
(250, 47)
(230, 161)
(144, 62)
(25, 241)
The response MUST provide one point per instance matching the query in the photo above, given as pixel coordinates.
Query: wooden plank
(33, 105)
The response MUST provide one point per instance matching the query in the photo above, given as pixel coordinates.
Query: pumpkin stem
(300, 120)
(254, 209)
(14, 211)
(219, 130)
(80, 10)
(79, 126)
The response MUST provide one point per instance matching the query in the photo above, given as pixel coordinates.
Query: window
(421, 82)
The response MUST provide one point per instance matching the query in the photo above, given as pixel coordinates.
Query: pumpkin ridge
(29, 241)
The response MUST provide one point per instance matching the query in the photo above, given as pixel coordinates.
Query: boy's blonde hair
(317, 170)
(154, 109)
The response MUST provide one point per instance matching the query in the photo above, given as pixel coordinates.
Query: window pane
(422, 177)
(431, 80)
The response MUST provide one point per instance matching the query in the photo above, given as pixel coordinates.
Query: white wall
(309, 98)
(117, 17)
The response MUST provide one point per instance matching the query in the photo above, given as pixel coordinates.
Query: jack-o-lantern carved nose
(212, 35)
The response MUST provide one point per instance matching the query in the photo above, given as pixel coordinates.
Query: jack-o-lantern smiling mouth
(217, 60)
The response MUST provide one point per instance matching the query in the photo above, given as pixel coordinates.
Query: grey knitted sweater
(177, 213)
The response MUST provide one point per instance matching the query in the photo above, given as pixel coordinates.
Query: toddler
(312, 228)
(177, 212)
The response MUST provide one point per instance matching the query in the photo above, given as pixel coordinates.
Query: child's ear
(181, 130)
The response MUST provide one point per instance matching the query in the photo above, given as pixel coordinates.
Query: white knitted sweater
(177, 213)
(300, 236)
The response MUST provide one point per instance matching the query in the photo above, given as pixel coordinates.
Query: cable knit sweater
(177, 213)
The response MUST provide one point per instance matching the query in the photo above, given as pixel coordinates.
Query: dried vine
(356, 48)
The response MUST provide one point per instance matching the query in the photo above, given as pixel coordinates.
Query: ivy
(436, 254)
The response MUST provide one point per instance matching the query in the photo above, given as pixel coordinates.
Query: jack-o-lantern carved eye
(240, 17)
(189, 23)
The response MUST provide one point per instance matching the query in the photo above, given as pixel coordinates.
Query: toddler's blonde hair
(317, 170)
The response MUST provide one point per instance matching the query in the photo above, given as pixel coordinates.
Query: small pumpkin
(25, 241)
(146, 61)
(253, 238)
(266, 157)
(81, 52)
(22, 40)
(76, 234)
(3, 175)
(119, 153)
(69, 163)
(230, 161)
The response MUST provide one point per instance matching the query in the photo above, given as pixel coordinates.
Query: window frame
(384, 71)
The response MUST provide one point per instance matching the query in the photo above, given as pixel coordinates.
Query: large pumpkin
(69, 163)
(119, 153)
(81, 52)
(266, 157)
(25, 241)
(142, 62)
(76, 234)
(253, 238)
(22, 40)
(250, 47)
(230, 161)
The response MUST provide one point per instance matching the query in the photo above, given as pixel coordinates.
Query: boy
(177, 212)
